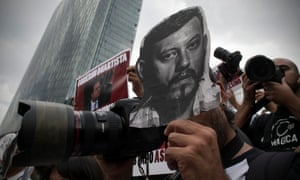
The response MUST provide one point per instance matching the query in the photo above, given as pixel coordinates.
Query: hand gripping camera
(52, 132)
(259, 68)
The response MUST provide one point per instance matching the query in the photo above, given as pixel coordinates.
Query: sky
(268, 27)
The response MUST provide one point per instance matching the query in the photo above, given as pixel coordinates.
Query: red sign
(104, 84)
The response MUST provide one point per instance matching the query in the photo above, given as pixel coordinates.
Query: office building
(79, 36)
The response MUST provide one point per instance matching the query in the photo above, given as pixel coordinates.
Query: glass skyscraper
(79, 36)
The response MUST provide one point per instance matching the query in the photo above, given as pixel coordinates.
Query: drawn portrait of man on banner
(174, 68)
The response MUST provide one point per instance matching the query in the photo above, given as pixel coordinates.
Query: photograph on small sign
(104, 84)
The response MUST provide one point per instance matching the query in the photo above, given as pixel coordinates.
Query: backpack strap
(270, 166)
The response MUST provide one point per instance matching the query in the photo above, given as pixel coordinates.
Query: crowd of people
(205, 140)
(278, 128)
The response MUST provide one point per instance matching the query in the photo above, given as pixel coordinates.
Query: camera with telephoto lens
(53, 132)
(259, 68)
(231, 62)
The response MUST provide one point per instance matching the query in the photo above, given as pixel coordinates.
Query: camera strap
(231, 148)
(259, 104)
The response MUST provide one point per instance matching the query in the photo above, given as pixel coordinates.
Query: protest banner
(103, 84)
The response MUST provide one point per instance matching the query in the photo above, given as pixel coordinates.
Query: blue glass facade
(79, 36)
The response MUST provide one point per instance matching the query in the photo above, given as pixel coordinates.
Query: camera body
(231, 61)
(262, 69)
(53, 132)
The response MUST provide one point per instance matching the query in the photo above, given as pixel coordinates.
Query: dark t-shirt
(256, 130)
(279, 131)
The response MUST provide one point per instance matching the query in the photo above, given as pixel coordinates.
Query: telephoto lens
(222, 54)
(231, 61)
(52, 132)
(262, 69)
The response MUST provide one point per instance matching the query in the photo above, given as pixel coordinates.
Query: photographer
(200, 145)
(201, 149)
(281, 129)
